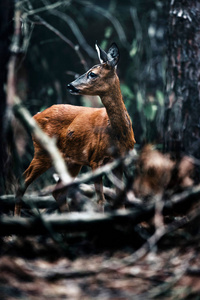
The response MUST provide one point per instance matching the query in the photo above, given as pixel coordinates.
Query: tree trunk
(182, 118)
(6, 15)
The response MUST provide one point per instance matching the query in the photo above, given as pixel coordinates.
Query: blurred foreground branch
(14, 104)
(49, 144)
(95, 221)
(72, 222)
(48, 201)
(124, 161)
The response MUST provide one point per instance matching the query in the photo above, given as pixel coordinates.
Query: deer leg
(60, 196)
(37, 167)
(18, 200)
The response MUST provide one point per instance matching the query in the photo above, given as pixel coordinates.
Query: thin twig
(110, 17)
(39, 20)
(45, 8)
(65, 39)
(135, 19)
(75, 29)
(104, 170)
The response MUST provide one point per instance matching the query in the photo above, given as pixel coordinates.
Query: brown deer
(85, 136)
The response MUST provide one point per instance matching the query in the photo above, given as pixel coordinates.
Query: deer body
(86, 136)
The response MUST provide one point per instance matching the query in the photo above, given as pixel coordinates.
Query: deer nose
(72, 89)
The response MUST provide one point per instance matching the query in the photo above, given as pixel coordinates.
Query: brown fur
(158, 173)
(85, 136)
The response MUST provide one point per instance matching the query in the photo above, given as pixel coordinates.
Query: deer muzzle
(72, 89)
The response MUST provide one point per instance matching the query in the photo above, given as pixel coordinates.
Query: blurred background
(138, 28)
(58, 44)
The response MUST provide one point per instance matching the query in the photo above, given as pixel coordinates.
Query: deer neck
(118, 116)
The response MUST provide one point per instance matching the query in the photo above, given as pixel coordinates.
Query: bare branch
(49, 144)
(41, 201)
(96, 221)
(14, 103)
(110, 17)
(64, 38)
(75, 29)
(41, 21)
(45, 8)
(66, 222)
(150, 243)
(104, 170)
(135, 19)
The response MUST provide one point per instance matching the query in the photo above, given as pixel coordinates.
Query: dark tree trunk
(6, 16)
(182, 119)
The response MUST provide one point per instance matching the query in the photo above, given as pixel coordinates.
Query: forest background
(51, 43)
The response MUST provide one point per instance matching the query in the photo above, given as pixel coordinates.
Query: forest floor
(84, 268)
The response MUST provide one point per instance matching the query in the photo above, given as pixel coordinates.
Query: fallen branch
(71, 222)
(30, 201)
(151, 243)
(58, 273)
(153, 240)
(95, 221)
(187, 197)
(8, 201)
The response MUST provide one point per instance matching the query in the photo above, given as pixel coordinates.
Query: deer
(85, 135)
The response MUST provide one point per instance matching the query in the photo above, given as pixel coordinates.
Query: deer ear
(113, 55)
(101, 54)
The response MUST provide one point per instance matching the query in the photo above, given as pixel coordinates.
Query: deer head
(98, 80)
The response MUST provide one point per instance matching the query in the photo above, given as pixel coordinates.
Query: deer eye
(92, 75)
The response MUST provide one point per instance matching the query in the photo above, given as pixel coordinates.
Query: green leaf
(43, 108)
(160, 97)
(126, 91)
(140, 101)
(108, 32)
(150, 111)
(134, 49)
(50, 91)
